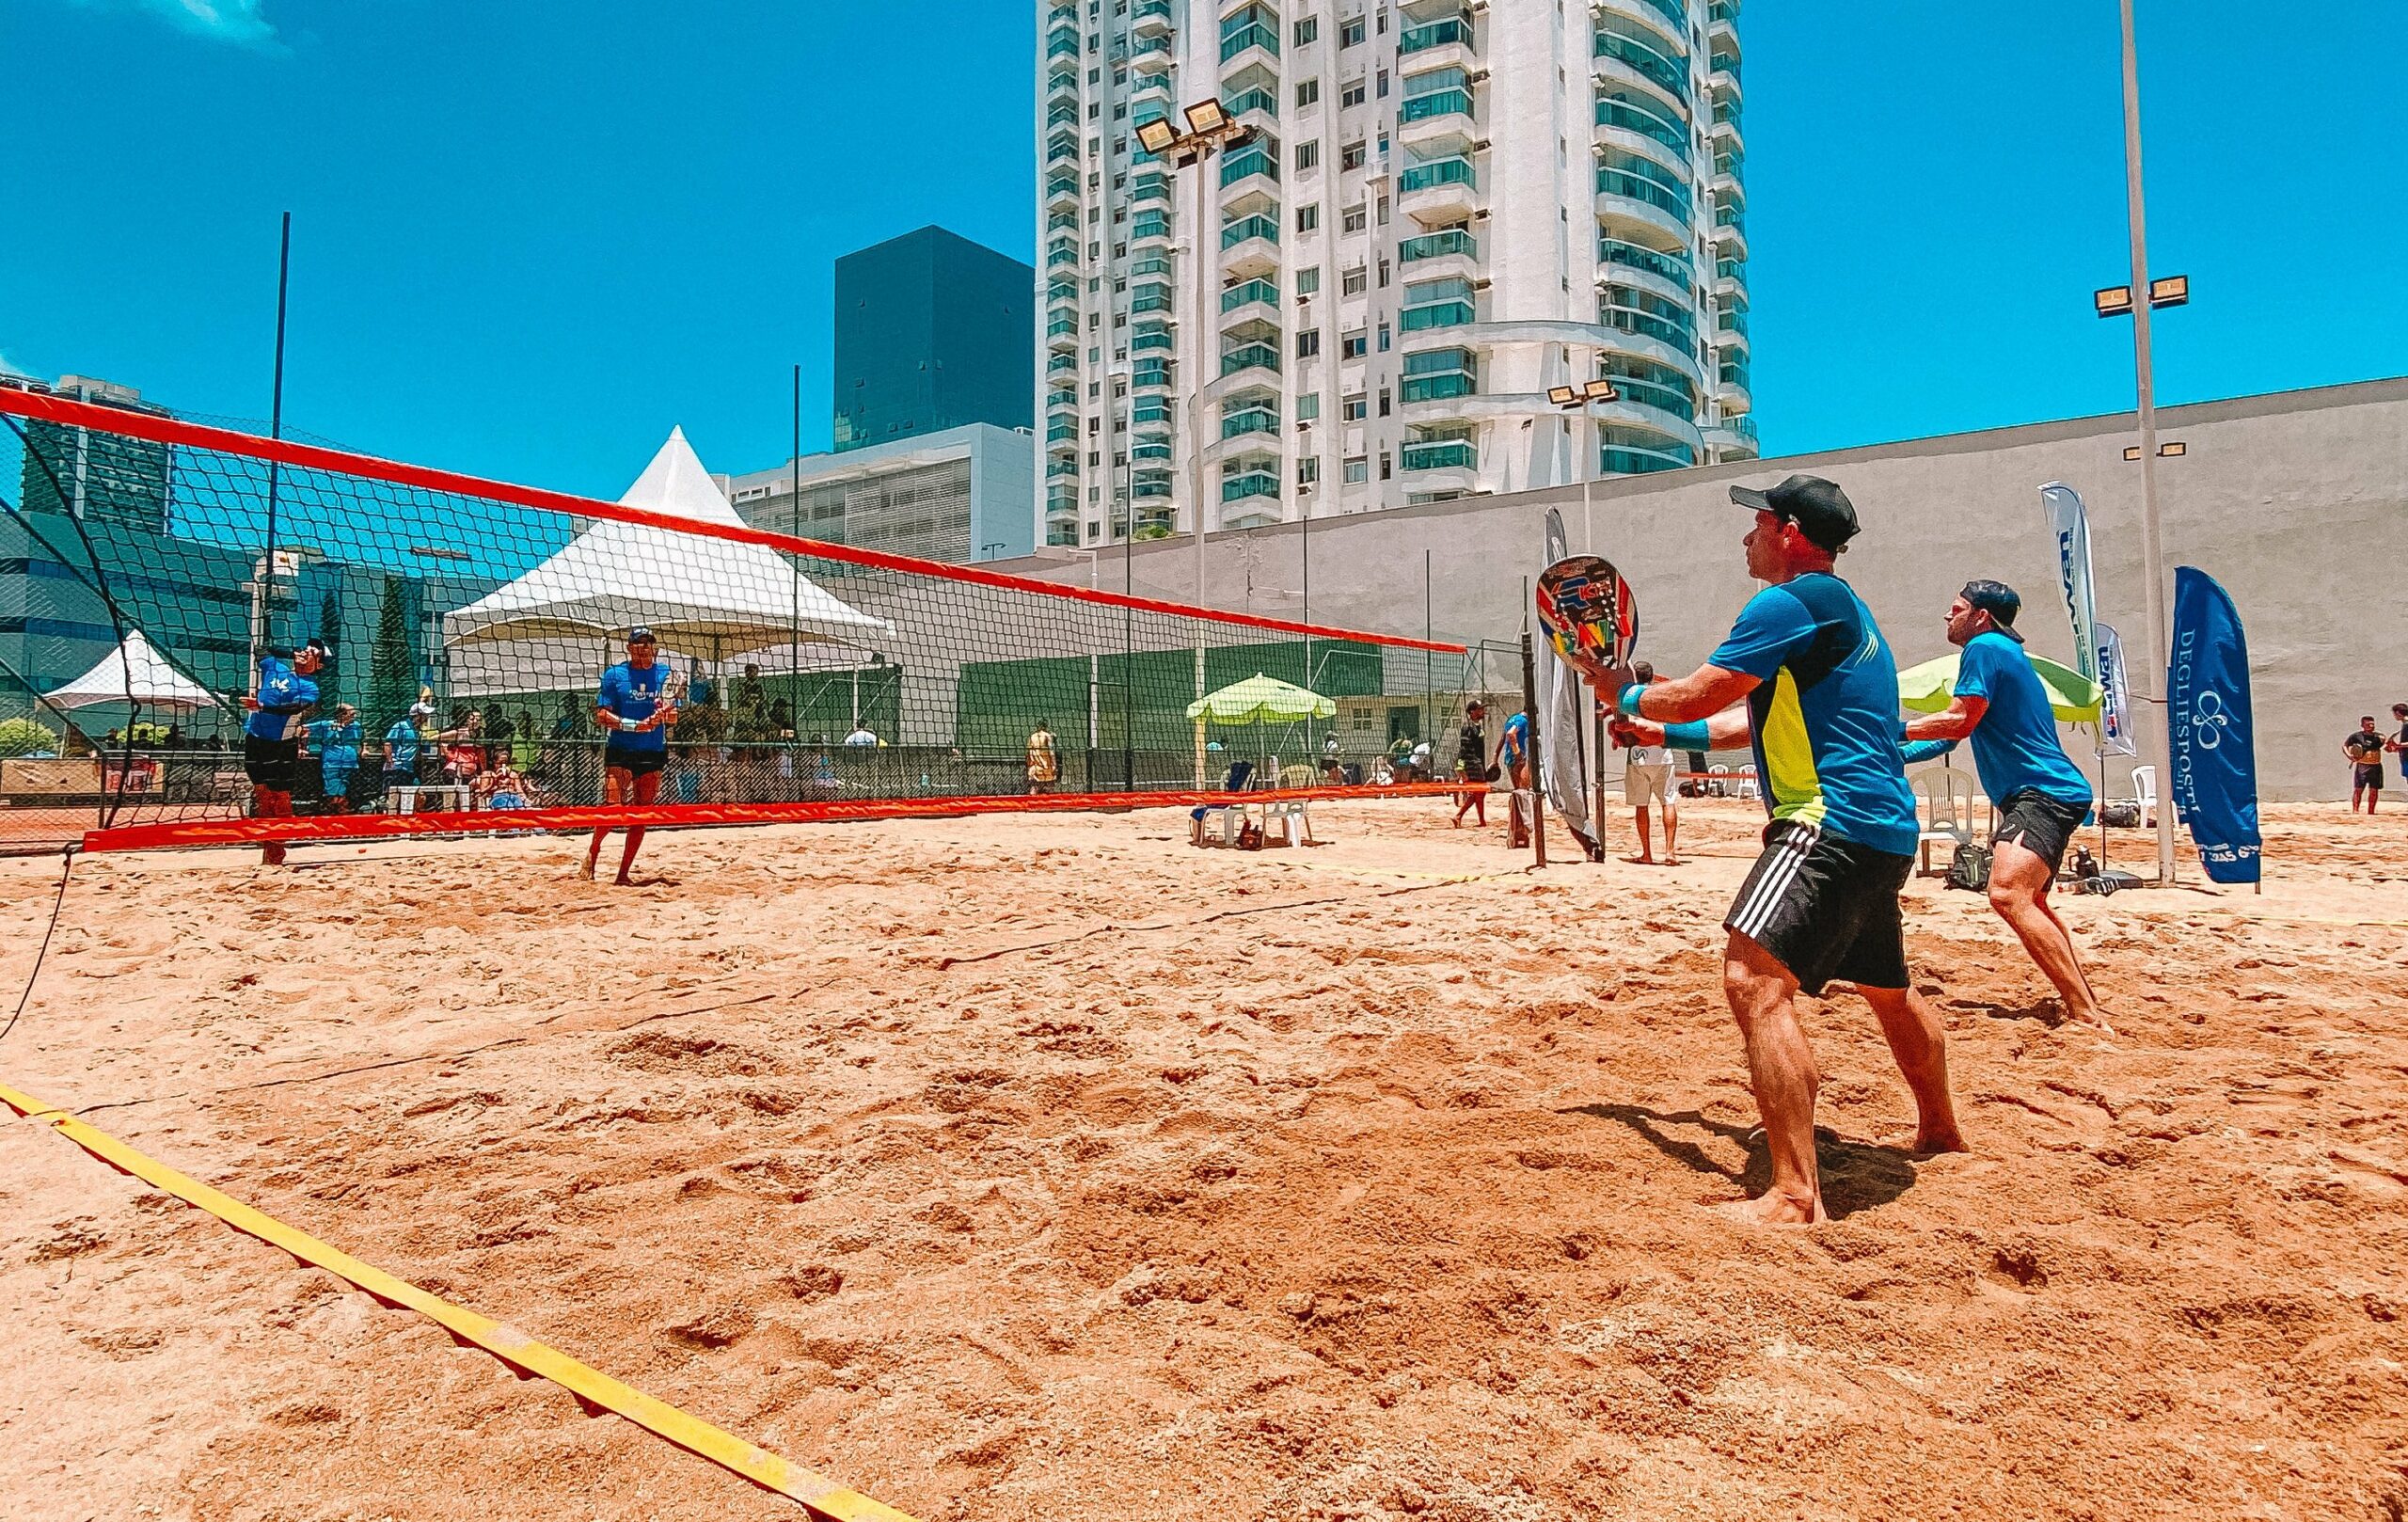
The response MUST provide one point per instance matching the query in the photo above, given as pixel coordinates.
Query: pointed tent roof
(706, 597)
(135, 667)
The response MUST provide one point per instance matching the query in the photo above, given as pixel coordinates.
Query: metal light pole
(1208, 131)
(2152, 532)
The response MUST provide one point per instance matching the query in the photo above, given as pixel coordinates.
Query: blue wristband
(1689, 736)
(1915, 751)
(1627, 701)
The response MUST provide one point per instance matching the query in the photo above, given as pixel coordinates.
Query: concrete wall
(2297, 502)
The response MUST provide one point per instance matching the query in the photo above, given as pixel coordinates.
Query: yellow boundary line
(522, 1354)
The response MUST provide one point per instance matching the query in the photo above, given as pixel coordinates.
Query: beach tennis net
(152, 559)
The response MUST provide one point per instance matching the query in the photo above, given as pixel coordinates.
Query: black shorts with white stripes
(1826, 908)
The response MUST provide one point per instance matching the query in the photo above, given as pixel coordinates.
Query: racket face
(1589, 615)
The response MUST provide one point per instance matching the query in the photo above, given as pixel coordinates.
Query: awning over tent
(135, 668)
(707, 599)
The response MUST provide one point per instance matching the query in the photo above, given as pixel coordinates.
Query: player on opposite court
(635, 749)
(275, 717)
(1999, 704)
(1820, 689)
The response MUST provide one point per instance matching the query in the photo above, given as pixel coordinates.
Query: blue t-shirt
(1513, 749)
(338, 744)
(1825, 711)
(633, 695)
(404, 740)
(284, 695)
(2016, 747)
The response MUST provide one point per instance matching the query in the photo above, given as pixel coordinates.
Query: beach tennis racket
(1591, 618)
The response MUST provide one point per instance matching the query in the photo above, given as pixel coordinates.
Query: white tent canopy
(706, 598)
(136, 668)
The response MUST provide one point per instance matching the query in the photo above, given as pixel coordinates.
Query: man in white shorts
(1647, 778)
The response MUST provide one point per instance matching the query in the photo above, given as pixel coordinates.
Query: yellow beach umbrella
(1261, 700)
(1932, 685)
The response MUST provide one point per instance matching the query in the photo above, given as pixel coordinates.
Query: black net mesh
(140, 577)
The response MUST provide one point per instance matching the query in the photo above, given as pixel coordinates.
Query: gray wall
(2297, 502)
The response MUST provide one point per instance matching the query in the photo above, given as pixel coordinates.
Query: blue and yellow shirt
(1825, 711)
(2016, 747)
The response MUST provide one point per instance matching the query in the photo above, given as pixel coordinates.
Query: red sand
(1050, 1169)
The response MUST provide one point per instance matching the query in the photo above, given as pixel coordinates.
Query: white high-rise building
(1445, 210)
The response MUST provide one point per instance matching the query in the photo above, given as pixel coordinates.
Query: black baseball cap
(641, 635)
(1819, 507)
(2000, 601)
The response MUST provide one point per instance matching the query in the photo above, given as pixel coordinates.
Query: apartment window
(1353, 155)
(1094, 457)
(1352, 219)
(1385, 471)
(1355, 281)
(1384, 273)
(1308, 31)
(1309, 471)
(1351, 33)
(1308, 280)
(1308, 406)
(1095, 111)
(1358, 471)
(1383, 84)
(1308, 93)
(1350, 93)
(1384, 337)
(1308, 155)
(1095, 388)
(1384, 400)
(1352, 346)
(1353, 408)
(1307, 343)
(1308, 218)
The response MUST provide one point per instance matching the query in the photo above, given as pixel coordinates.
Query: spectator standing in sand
(2041, 796)
(1647, 778)
(1044, 767)
(636, 718)
(1806, 678)
(276, 715)
(2363, 747)
(1471, 761)
(403, 743)
(337, 743)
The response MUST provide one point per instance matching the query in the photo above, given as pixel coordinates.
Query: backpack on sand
(1969, 868)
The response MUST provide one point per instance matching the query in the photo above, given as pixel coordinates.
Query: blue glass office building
(932, 332)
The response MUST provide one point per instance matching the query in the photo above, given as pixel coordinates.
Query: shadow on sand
(1856, 1176)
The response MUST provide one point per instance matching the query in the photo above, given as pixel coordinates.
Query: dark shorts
(273, 765)
(2040, 824)
(635, 763)
(1827, 908)
(2362, 775)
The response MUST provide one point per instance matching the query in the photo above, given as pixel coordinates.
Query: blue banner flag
(2215, 745)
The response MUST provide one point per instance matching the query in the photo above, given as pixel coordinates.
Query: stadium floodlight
(2114, 301)
(1563, 396)
(1207, 115)
(1156, 134)
(2173, 291)
(1600, 390)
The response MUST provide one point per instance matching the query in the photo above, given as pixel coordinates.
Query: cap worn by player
(1821, 511)
(2000, 601)
(640, 635)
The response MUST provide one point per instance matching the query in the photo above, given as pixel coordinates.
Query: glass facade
(932, 332)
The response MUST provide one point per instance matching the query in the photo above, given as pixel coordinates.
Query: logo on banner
(2209, 719)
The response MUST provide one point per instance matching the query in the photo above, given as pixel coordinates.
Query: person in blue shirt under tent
(2041, 796)
(277, 714)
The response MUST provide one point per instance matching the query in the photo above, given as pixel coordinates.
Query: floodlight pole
(2153, 532)
(262, 631)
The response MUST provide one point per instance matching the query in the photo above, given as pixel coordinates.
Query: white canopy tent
(707, 599)
(137, 669)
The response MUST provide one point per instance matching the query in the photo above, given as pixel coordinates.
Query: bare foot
(1671, 861)
(1640, 861)
(2094, 1023)
(1925, 1143)
(585, 872)
(1773, 1209)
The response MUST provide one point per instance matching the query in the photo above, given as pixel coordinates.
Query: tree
(392, 674)
(27, 737)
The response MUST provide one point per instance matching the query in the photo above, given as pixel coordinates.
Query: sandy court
(1046, 1167)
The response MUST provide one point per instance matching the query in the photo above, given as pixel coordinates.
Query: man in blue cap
(2041, 796)
(277, 716)
(1806, 678)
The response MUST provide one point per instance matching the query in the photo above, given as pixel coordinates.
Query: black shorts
(2039, 824)
(2366, 776)
(1827, 908)
(272, 765)
(633, 762)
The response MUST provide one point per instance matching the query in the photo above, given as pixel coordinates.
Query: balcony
(1255, 354)
(1451, 31)
(1250, 244)
(1723, 83)
(1250, 415)
(1149, 188)
(1453, 241)
(1259, 161)
(1451, 454)
(1628, 311)
(1730, 233)
(1152, 18)
(1724, 136)
(1252, 40)
(1249, 479)
(1642, 126)
(1063, 190)
(1152, 226)
(1631, 201)
(1730, 281)
(1064, 431)
(1062, 45)
(1257, 297)
(1262, 100)
(1438, 376)
(1145, 298)
(1062, 363)
(1730, 332)
(1439, 113)
(1669, 275)
(1635, 56)
(1062, 114)
(1439, 191)
(1722, 35)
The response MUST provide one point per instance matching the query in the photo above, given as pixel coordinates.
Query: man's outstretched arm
(1958, 722)
(1706, 693)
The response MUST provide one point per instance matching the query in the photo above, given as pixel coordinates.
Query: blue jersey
(284, 695)
(404, 740)
(1514, 748)
(2016, 747)
(633, 695)
(338, 744)
(1825, 711)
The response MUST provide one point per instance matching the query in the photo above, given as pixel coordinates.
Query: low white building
(967, 494)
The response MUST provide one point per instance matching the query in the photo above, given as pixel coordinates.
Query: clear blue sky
(530, 237)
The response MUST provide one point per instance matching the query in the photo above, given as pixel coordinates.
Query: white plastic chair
(1747, 783)
(2145, 789)
(1717, 781)
(1947, 799)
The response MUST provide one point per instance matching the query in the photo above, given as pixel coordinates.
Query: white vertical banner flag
(2071, 523)
(2115, 703)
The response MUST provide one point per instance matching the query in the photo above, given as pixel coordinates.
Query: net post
(1531, 752)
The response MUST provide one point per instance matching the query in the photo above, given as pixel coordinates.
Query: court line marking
(524, 1355)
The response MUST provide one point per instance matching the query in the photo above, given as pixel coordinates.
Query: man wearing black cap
(2041, 795)
(1806, 678)
(635, 712)
(277, 716)
(1472, 763)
